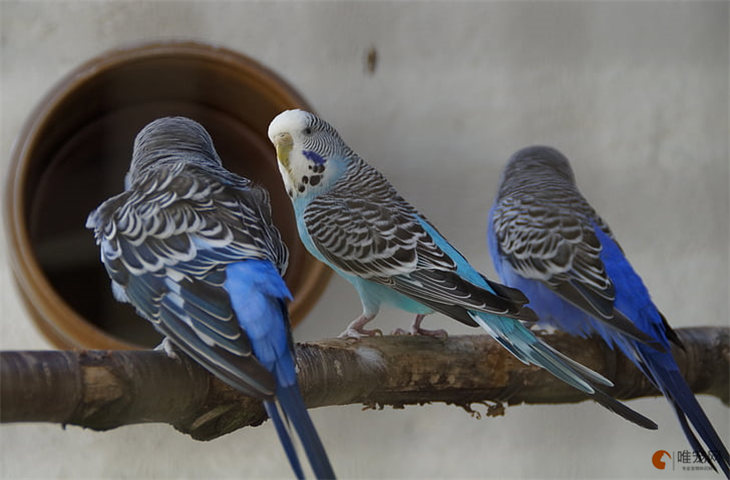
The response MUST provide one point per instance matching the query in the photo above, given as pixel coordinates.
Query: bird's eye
(307, 131)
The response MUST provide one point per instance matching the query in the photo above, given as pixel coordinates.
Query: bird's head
(534, 164)
(170, 139)
(310, 153)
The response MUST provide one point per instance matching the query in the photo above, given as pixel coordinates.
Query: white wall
(635, 93)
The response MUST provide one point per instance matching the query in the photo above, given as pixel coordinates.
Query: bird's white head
(310, 153)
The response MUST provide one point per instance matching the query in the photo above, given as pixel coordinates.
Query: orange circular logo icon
(658, 459)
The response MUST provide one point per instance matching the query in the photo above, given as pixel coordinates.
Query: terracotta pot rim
(35, 288)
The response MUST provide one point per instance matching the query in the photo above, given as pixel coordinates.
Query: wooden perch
(107, 389)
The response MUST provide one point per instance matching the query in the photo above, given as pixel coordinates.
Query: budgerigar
(193, 248)
(546, 240)
(352, 219)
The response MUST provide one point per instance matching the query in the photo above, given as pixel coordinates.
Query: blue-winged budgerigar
(193, 248)
(546, 240)
(352, 219)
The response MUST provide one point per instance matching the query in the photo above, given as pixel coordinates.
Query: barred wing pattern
(364, 228)
(549, 235)
(166, 243)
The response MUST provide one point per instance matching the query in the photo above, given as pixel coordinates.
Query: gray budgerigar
(192, 246)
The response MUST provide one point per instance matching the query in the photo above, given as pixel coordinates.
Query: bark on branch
(106, 389)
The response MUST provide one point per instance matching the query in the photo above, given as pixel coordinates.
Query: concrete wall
(636, 94)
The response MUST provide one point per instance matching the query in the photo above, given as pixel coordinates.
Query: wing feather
(364, 228)
(166, 243)
(553, 240)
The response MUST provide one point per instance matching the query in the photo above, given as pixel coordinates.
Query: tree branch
(103, 389)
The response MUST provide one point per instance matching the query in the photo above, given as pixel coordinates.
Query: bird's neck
(302, 191)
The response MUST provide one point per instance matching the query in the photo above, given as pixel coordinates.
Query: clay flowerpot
(73, 153)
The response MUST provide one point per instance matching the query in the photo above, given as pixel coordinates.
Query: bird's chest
(373, 295)
(306, 238)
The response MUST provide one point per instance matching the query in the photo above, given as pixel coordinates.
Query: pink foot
(359, 333)
(357, 329)
(417, 330)
(440, 333)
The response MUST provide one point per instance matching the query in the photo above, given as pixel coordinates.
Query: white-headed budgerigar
(351, 218)
(193, 248)
(546, 240)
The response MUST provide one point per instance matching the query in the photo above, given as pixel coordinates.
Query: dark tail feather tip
(293, 405)
(285, 439)
(620, 409)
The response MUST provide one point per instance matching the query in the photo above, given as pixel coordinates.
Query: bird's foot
(356, 329)
(440, 333)
(168, 347)
(416, 329)
(356, 333)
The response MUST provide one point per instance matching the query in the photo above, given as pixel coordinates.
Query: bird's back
(166, 243)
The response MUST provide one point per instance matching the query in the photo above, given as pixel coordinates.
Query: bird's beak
(283, 143)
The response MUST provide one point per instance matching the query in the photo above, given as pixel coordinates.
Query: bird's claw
(440, 333)
(168, 347)
(357, 333)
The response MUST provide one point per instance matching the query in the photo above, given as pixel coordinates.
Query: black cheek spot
(310, 167)
(305, 179)
(290, 192)
(301, 188)
(315, 180)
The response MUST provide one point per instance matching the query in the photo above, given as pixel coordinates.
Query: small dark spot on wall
(315, 180)
(371, 61)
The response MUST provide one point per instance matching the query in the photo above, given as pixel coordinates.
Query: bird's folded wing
(166, 244)
(560, 249)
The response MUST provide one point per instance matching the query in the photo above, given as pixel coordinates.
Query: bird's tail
(257, 294)
(661, 368)
(529, 349)
(282, 430)
(292, 404)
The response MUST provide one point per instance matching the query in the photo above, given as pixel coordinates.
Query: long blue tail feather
(285, 438)
(292, 404)
(257, 294)
(664, 372)
(522, 343)
(633, 299)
